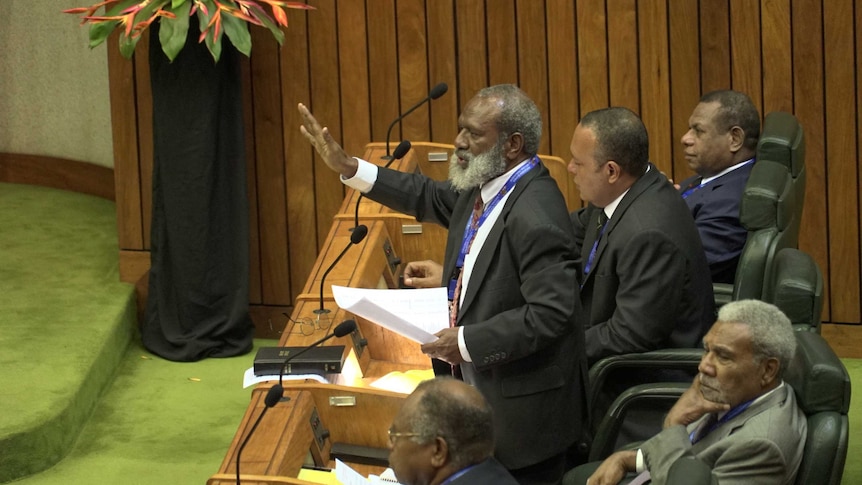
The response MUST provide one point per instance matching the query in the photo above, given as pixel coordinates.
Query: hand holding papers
(415, 314)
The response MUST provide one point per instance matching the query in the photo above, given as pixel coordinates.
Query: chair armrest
(675, 359)
(666, 393)
(723, 294)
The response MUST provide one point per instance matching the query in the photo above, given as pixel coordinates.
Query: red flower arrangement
(216, 18)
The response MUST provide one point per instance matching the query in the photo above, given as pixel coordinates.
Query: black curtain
(198, 288)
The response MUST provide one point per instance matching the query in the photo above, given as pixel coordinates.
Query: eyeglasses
(307, 326)
(393, 435)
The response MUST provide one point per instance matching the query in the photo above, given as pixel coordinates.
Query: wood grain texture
(359, 64)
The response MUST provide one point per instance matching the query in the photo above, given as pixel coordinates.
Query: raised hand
(329, 150)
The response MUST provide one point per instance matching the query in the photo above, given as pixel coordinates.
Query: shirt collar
(726, 171)
(491, 187)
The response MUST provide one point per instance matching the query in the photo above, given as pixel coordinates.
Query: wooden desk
(286, 436)
(310, 420)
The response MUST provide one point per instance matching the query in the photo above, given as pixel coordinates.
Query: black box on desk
(317, 360)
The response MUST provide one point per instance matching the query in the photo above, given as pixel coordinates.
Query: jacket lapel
(639, 187)
(488, 251)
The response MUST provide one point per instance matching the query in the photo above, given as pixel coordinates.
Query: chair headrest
(817, 375)
(782, 140)
(768, 199)
(797, 287)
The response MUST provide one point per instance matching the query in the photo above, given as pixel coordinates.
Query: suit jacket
(649, 287)
(715, 208)
(521, 312)
(762, 445)
(489, 472)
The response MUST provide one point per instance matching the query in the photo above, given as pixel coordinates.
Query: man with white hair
(739, 416)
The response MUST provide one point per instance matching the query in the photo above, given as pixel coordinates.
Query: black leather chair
(822, 387)
(771, 206)
(795, 287)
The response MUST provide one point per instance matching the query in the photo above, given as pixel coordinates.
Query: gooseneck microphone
(358, 234)
(399, 153)
(344, 328)
(436, 92)
(276, 392)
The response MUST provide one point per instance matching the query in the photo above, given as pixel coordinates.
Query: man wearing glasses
(444, 434)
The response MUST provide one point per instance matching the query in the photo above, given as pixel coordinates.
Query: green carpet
(65, 320)
(160, 423)
(853, 466)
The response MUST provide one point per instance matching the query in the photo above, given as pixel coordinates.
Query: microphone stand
(276, 392)
(436, 92)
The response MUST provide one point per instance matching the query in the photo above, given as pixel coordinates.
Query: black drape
(197, 305)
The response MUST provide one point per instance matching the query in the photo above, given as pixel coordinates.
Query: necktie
(601, 222)
(478, 208)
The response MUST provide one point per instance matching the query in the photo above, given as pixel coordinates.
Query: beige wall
(53, 88)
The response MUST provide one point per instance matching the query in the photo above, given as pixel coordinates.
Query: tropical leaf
(213, 42)
(237, 32)
(173, 32)
(101, 30)
(127, 45)
(267, 21)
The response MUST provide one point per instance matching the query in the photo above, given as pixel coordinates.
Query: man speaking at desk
(516, 332)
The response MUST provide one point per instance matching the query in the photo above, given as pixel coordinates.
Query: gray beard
(480, 168)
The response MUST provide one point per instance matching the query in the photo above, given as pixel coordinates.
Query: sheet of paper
(347, 475)
(416, 314)
(249, 379)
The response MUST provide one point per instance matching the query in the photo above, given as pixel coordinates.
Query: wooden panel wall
(357, 64)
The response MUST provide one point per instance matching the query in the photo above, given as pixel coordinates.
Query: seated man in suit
(644, 283)
(444, 433)
(720, 145)
(738, 416)
(515, 329)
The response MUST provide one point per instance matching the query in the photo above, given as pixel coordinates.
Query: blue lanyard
(471, 230)
(727, 417)
(457, 474)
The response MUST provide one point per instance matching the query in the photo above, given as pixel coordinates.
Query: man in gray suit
(645, 283)
(738, 416)
(516, 332)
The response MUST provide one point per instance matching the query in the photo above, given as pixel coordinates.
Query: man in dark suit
(719, 146)
(738, 416)
(516, 332)
(444, 433)
(645, 282)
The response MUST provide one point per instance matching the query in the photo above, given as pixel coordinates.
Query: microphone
(276, 392)
(399, 153)
(344, 328)
(358, 234)
(436, 92)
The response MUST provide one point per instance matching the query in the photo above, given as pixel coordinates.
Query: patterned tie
(478, 208)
